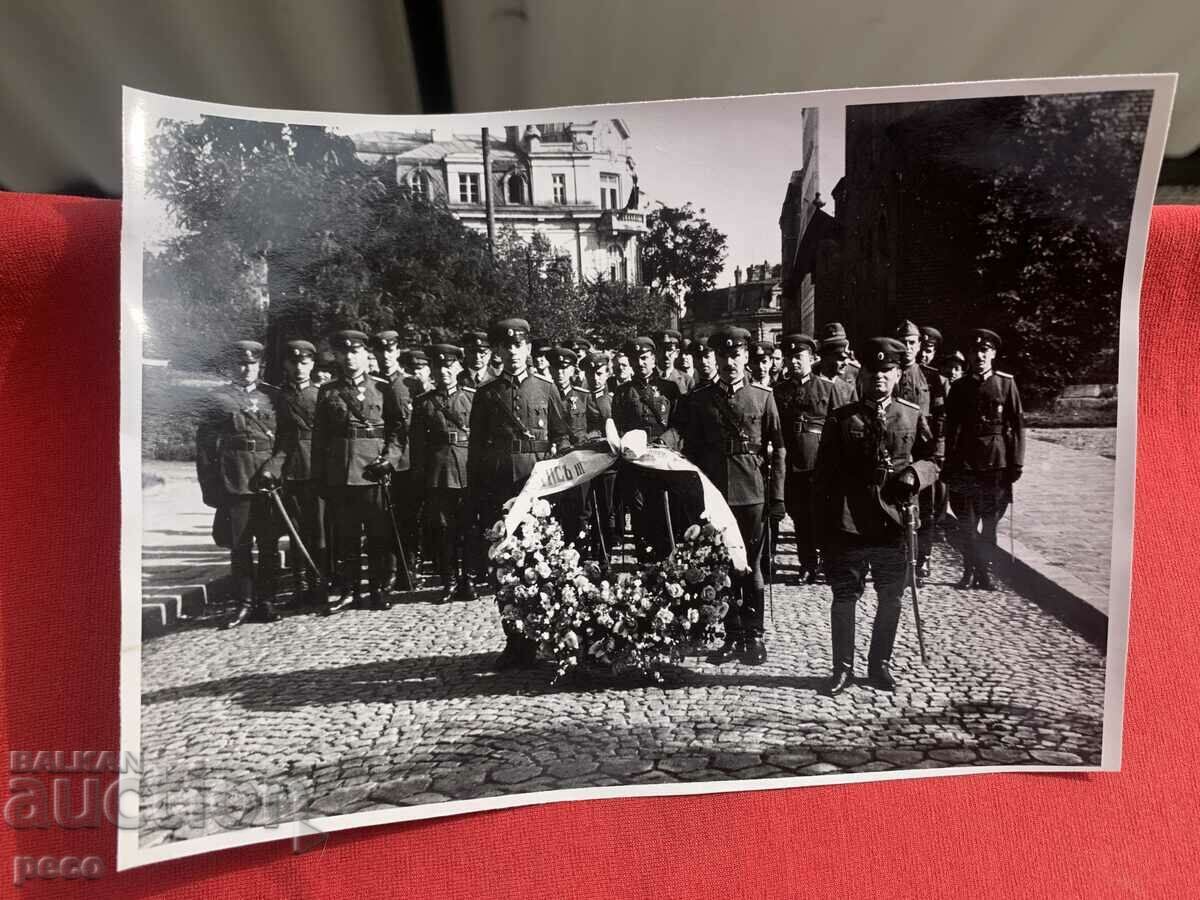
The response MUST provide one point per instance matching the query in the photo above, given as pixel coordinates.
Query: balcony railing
(618, 221)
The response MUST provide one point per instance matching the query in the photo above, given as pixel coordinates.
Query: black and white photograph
(479, 460)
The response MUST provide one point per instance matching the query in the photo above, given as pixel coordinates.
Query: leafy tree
(682, 252)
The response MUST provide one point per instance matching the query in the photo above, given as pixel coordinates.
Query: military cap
(834, 334)
(540, 346)
(382, 339)
(880, 353)
(579, 342)
(412, 358)
(508, 329)
(443, 354)
(977, 336)
(699, 347)
(297, 349)
(929, 334)
(562, 356)
(636, 347)
(794, 343)
(726, 340)
(593, 360)
(907, 329)
(955, 358)
(685, 345)
(761, 350)
(348, 339)
(667, 337)
(246, 351)
(473, 340)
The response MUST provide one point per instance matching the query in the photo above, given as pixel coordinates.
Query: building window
(617, 270)
(515, 188)
(560, 188)
(610, 191)
(468, 187)
(418, 186)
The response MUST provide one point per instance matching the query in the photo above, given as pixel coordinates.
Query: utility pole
(487, 194)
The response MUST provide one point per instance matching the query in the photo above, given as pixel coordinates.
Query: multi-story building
(754, 303)
(574, 182)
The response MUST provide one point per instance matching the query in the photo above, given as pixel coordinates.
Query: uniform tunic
(355, 424)
(922, 385)
(859, 456)
(234, 441)
(291, 462)
(985, 446)
(440, 465)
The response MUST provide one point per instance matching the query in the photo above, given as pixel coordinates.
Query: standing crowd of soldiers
(395, 454)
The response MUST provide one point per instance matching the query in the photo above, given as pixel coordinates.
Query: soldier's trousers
(602, 507)
(253, 524)
(848, 560)
(306, 509)
(489, 503)
(570, 510)
(925, 510)
(445, 517)
(407, 506)
(355, 510)
(646, 497)
(979, 502)
(748, 618)
(801, 508)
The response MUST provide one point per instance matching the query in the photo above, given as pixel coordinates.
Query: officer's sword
(1012, 518)
(910, 553)
(599, 530)
(385, 484)
(295, 535)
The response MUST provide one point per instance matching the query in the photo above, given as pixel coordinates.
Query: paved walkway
(178, 548)
(1064, 510)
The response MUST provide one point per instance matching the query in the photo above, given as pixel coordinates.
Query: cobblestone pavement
(311, 716)
(1064, 512)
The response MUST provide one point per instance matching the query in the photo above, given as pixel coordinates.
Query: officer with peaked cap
(666, 343)
(836, 358)
(517, 420)
(985, 453)
(570, 506)
(730, 429)
(440, 465)
(360, 435)
(234, 441)
(923, 386)
(476, 354)
(705, 363)
(397, 374)
(291, 465)
(539, 357)
(805, 399)
(603, 496)
(646, 402)
(759, 367)
(931, 344)
(875, 455)
(685, 362)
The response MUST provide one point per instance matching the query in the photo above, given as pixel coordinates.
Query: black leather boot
(728, 651)
(754, 650)
(968, 576)
(841, 679)
(983, 576)
(879, 673)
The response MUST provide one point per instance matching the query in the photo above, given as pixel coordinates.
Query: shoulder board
(825, 378)
(907, 403)
(467, 388)
(379, 379)
(267, 386)
(1001, 374)
(424, 394)
(599, 392)
(763, 387)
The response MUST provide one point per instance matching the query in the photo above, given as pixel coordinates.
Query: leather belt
(453, 438)
(738, 448)
(523, 445)
(241, 443)
(363, 431)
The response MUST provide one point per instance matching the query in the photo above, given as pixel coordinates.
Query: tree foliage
(682, 253)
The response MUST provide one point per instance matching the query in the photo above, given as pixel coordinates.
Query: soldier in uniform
(730, 429)
(570, 506)
(440, 434)
(833, 350)
(602, 501)
(234, 439)
(580, 346)
(706, 363)
(516, 421)
(666, 342)
(759, 368)
(360, 435)
(805, 399)
(476, 355)
(622, 369)
(985, 453)
(931, 344)
(685, 362)
(647, 402)
(397, 373)
(495, 365)
(953, 367)
(291, 465)
(923, 386)
(875, 454)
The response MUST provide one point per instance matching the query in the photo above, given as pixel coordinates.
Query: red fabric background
(1133, 833)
